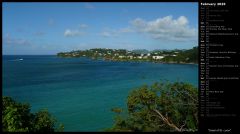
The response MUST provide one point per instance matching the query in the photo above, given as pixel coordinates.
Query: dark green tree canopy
(159, 107)
(16, 117)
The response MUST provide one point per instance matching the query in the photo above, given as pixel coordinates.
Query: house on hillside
(157, 57)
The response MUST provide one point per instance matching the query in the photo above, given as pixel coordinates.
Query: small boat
(16, 60)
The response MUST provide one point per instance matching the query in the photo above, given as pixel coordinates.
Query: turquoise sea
(80, 92)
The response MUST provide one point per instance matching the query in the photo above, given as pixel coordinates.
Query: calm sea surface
(80, 92)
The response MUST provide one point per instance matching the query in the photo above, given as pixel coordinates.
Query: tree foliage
(16, 117)
(159, 107)
(186, 56)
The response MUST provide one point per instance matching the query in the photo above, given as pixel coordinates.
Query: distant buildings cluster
(179, 56)
(117, 53)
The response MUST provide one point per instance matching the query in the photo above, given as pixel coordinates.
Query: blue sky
(48, 28)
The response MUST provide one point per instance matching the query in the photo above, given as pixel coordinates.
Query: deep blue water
(80, 92)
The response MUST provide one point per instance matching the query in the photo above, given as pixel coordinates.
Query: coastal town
(161, 56)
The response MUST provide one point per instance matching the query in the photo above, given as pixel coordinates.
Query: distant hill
(163, 56)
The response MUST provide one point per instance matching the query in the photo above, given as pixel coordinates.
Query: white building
(157, 57)
(121, 56)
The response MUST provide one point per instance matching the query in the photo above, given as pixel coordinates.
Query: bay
(80, 92)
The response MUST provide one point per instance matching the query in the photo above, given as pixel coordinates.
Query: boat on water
(16, 60)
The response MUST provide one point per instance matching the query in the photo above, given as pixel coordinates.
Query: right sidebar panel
(219, 66)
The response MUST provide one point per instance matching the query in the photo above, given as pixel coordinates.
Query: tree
(16, 117)
(160, 107)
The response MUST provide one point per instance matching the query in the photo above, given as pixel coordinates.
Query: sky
(49, 28)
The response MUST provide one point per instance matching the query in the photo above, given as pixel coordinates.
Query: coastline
(180, 63)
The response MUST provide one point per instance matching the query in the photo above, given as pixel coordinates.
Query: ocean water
(80, 92)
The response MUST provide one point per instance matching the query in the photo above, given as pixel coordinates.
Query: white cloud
(8, 40)
(72, 33)
(166, 28)
(78, 31)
